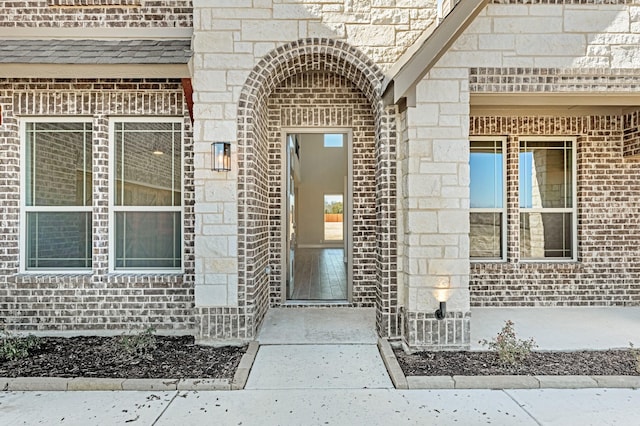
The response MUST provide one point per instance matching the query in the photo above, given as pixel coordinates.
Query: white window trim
(112, 195)
(574, 194)
(24, 209)
(503, 210)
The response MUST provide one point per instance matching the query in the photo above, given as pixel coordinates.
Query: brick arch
(313, 54)
(255, 163)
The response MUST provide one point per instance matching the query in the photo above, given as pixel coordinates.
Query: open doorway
(318, 203)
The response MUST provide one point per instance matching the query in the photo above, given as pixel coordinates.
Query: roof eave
(402, 84)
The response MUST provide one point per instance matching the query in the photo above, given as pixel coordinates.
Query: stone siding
(96, 300)
(512, 47)
(434, 201)
(96, 13)
(331, 84)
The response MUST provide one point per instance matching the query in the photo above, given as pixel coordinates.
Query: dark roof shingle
(74, 51)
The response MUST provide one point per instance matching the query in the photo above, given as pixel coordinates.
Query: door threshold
(315, 303)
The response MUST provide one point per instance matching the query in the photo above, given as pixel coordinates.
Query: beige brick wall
(96, 13)
(631, 129)
(97, 300)
(608, 249)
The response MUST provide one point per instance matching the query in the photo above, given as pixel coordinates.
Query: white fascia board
(421, 60)
(94, 71)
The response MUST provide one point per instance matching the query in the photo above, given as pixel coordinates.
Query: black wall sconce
(221, 156)
(442, 293)
(441, 312)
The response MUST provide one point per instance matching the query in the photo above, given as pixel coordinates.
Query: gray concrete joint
(244, 368)
(398, 378)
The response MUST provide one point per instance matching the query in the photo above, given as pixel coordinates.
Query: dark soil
(172, 358)
(589, 363)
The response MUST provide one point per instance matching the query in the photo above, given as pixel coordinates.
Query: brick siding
(96, 300)
(631, 129)
(96, 13)
(608, 188)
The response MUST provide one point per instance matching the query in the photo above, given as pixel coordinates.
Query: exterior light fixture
(442, 293)
(221, 156)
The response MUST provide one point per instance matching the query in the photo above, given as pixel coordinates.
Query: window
(547, 199)
(57, 195)
(146, 210)
(333, 217)
(487, 192)
(333, 140)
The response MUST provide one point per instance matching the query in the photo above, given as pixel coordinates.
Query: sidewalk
(323, 407)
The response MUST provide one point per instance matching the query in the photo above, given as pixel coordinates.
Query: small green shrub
(511, 350)
(13, 347)
(138, 345)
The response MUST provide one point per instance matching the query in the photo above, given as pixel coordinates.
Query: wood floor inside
(320, 274)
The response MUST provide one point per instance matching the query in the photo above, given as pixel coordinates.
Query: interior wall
(322, 171)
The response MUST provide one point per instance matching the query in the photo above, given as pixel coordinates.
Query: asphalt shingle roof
(95, 51)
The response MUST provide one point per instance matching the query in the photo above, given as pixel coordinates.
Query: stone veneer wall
(433, 171)
(96, 13)
(336, 70)
(608, 190)
(242, 51)
(512, 47)
(97, 300)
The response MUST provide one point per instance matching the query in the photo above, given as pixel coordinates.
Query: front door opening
(317, 216)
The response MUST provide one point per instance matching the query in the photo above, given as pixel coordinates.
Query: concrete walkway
(323, 368)
(318, 348)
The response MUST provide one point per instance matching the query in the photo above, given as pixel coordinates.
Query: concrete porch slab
(290, 326)
(318, 367)
(561, 328)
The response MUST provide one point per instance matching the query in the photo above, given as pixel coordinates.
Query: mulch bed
(589, 363)
(175, 357)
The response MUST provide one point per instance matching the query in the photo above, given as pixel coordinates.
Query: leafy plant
(510, 349)
(138, 345)
(635, 352)
(14, 347)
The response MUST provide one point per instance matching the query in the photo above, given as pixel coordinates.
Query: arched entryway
(316, 83)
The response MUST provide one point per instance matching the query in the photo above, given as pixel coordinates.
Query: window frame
(503, 210)
(113, 208)
(24, 209)
(573, 210)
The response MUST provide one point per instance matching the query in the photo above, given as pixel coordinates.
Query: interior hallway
(320, 274)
